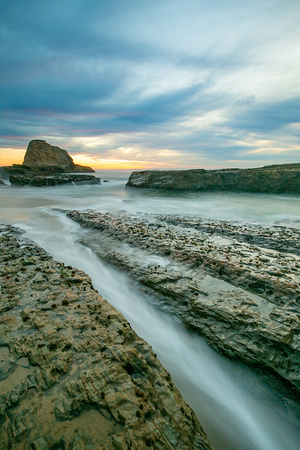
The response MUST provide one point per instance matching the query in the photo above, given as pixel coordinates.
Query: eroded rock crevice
(243, 297)
(73, 374)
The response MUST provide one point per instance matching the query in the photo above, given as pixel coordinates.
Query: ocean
(237, 410)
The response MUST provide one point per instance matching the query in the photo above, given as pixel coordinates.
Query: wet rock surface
(73, 374)
(239, 286)
(39, 180)
(282, 178)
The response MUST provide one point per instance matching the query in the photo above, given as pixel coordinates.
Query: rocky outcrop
(52, 180)
(73, 374)
(283, 178)
(41, 155)
(45, 165)
(236, 285)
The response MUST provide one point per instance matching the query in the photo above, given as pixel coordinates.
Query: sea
(235, 407)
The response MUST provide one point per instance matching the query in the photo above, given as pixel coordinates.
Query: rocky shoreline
(239, 286)
(73, 374)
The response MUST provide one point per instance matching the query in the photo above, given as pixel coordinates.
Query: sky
(152, 84)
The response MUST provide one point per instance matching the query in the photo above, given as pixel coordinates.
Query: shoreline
(238, 286)
(73, 372)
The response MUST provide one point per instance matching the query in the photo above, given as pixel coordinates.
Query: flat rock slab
(73, 374)
(281, 178)
(236, 285)
(38, 180)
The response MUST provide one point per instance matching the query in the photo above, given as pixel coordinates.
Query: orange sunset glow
(9, 156)
(108, 163)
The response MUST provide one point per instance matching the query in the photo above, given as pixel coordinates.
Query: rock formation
(73, 374)
(45, 165)
(52, 180)
(236, 285)
(41, 155)
(283, 178)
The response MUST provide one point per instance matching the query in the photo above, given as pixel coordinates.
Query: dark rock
(284, 178)
(5, 172)
(52, 180)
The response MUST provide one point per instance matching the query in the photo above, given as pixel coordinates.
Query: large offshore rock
(239, 286)
(284, 178)
(40, 154)
(73, 374)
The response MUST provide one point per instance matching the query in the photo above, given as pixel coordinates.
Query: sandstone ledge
(284, 178)
(73, 374)
(236, 285)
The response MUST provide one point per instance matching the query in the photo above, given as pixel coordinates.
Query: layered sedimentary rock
(73, 374)
(283, 178)
(236, 285)
(41, 155)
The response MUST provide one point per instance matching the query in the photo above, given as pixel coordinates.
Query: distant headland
(282, 178)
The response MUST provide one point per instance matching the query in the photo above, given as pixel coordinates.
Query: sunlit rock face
(284, 178)
(40, 155)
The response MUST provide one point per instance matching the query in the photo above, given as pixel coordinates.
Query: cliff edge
(283, 178)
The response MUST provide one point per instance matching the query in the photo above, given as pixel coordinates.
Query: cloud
(182, 83)
(269, 117)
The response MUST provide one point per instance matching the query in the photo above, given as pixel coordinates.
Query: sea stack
(41, 155)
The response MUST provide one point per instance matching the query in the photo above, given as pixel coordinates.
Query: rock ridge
(73, 374)
(284, 178)
(38, 180)
(242, 296)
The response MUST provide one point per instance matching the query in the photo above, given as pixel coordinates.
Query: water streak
(236, 409)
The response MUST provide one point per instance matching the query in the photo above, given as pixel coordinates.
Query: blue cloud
(144, 69)
(269, 117)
